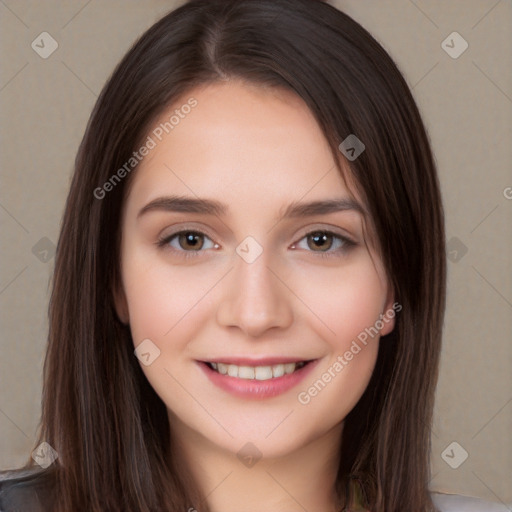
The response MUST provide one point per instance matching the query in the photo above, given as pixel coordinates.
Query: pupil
(319, 238)
(191, 239)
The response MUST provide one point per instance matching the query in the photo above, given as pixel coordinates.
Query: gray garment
(29, 491)
(458, 503)
(26, 491)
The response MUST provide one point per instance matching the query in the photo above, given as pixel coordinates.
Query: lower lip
(257, 389)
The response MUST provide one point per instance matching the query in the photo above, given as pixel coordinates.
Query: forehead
(258, 142)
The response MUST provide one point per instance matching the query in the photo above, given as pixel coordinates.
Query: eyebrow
(295, 209)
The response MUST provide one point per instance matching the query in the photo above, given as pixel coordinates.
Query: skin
(257, 150)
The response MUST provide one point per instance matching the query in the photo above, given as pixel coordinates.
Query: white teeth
(245, 372)
(263, 372)
(289, 368)
(233, 370)
(256, 372)
(278, 370)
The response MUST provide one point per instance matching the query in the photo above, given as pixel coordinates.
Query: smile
(259, 380)
(256, 372)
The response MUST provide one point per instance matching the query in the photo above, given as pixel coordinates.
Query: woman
(250, 279)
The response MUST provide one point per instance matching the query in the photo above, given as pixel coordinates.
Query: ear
(121, 304)
(389, 313)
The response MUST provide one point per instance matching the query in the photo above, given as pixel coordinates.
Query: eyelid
(328, 228)
(185, 227)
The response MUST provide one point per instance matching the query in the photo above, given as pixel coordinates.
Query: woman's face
(241, 274)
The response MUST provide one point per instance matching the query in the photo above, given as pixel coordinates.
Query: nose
(255, 298)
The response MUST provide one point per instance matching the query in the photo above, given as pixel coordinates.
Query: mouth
(257, 372)
(250, 379)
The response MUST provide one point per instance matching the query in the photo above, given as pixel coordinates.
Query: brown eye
(187, 242)
(325, 243)
(320, 240)
(190, 240)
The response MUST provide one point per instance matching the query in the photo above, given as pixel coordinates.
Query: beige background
(467, 106)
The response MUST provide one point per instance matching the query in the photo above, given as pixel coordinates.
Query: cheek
(345, 301)
(166, 303)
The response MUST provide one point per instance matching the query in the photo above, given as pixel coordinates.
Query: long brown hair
(99, 412)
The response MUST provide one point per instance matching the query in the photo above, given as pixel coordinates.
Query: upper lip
(263, 361)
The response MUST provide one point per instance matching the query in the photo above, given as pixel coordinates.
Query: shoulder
(27, 490)
(460, 503)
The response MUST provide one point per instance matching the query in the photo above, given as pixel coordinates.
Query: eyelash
(348, 244)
